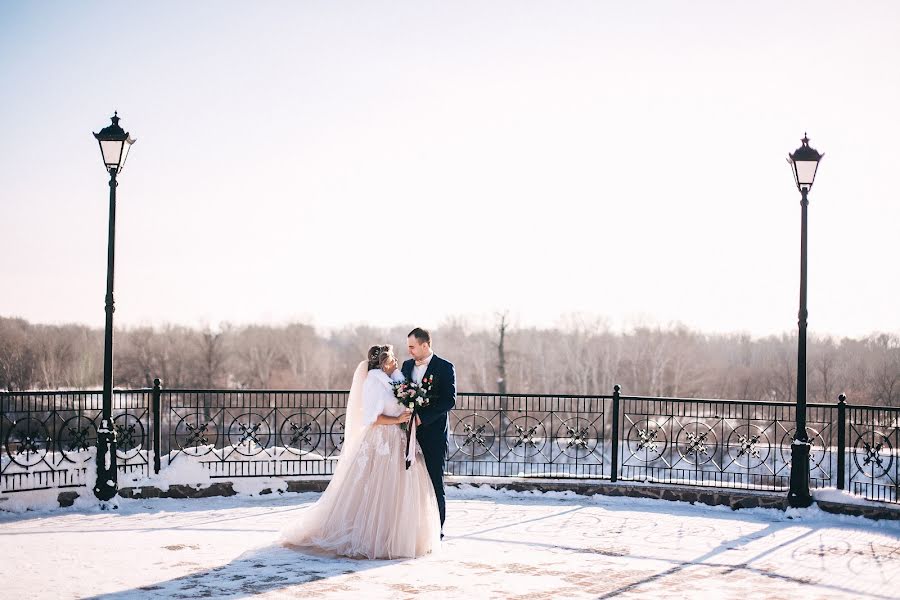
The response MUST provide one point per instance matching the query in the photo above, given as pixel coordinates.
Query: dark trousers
(434, 449)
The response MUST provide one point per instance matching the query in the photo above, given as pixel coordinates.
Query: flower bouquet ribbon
(411, 441)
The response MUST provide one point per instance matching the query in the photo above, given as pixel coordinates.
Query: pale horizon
(618, 162)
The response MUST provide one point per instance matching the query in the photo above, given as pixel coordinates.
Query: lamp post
(804, 162)
(114, 145)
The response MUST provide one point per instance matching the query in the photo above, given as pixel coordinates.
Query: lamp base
(106, 487)
(798, 495)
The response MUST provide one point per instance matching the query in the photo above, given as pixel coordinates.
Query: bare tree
(501, 353)
(885, 375)
(258, 351)
(53, 353)
(580, 356)
(297, 343)
(17, 358)
(211, 345)
(824, 355)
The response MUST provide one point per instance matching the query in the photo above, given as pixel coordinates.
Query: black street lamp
(804, 161)
(114, 144)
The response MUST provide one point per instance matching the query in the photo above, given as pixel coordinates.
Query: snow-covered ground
(499, 545)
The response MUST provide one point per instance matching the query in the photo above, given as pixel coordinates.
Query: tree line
(582, 356)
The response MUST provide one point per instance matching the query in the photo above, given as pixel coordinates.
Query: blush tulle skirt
(373, 506)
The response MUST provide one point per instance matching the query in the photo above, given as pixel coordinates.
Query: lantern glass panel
(112, 152)
(806, 172)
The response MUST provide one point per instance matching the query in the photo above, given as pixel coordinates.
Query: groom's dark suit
(432, 433)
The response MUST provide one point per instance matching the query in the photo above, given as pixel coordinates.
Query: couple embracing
(386, 499)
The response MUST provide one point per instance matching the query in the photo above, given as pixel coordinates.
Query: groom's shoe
(442, 535)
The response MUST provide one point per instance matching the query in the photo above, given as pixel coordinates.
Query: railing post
(842, 440)
(157, 392)
(614, 467)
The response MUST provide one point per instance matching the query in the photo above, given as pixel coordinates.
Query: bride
(373, 506)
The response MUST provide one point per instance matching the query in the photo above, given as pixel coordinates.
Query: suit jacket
(443, 395)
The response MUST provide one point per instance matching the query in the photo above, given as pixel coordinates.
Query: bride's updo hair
(379, 355)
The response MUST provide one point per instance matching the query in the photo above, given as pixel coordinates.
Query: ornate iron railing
(251, 433)
(517, 435)
(874, 451)
(247, 433)
(721, 443)
(49, 438)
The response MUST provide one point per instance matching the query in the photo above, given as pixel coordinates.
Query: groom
(431, 421)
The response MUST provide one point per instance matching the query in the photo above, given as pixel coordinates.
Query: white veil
(353, 420)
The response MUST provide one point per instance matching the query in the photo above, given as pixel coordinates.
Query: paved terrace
(499, 545)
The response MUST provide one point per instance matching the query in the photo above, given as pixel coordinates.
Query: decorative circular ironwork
(749, 446)
(576, 437)
(130, 435)
(697, 443)
(249, 434)
(336, 435)
(196, 436)
(816, 447)
(525, 436)
(647, 440)
(76, 435)
(874, 454)
(27, 442)
(300, 433)
(474, 435)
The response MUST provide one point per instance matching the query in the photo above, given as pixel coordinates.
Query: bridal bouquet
(413, 395)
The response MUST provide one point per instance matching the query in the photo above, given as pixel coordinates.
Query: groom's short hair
(421, 335)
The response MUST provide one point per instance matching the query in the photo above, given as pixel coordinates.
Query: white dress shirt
(419, 370)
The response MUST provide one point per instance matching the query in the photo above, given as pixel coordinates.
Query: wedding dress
(373, 506)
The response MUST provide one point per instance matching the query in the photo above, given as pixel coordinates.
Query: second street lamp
(114, 145)
(804, 161)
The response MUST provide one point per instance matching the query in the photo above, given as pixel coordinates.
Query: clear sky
(399, 162)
